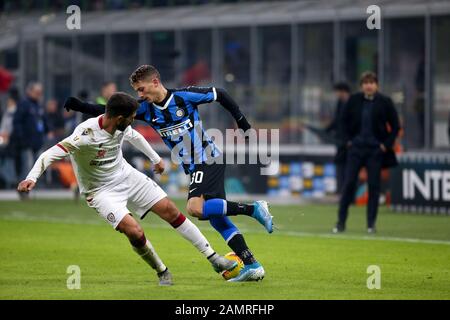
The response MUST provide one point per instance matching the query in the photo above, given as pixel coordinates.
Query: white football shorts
(137, 192)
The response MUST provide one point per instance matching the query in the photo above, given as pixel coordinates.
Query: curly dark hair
(144, 72)
(121, 104)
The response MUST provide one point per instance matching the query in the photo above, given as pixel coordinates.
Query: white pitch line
(23, 216)
(373, 238)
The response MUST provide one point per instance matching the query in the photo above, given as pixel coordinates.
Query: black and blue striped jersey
(177, 121)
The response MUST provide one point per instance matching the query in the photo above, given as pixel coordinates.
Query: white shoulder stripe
(166, 104)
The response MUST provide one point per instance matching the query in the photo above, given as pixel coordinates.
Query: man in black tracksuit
(371, 127)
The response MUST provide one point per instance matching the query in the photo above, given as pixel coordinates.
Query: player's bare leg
(252, 271)
(142, 246)
(167, 210)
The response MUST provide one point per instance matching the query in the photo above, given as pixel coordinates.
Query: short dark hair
(144, 72)
(342, 86)
(368, 76)
(121, 104)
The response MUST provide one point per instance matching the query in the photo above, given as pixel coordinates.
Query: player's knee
(135, 232)
(131, 229)
(195, 207)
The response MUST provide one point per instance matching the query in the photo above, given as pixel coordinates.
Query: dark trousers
(340, 176)
(358, 157)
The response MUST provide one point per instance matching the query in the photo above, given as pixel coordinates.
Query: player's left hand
(159, 167)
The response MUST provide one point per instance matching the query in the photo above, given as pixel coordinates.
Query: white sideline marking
(23, 216)
(374, 237)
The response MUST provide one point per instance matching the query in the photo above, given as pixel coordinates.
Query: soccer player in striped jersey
(110, 185)
(174, 114)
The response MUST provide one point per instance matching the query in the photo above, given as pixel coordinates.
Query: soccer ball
(227, 275)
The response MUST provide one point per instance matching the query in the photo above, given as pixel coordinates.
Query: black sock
(237, 208)
(238, 245)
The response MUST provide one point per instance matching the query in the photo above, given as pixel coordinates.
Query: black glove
(72, 103)
(243, 124)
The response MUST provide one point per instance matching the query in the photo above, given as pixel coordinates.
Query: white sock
(148, 253)
(190, 232)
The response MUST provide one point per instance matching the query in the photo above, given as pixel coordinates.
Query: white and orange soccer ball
(227, 275)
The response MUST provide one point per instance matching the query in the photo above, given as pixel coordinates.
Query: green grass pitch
(40, 239)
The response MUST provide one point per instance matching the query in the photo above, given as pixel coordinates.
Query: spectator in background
(28, 129)
(6, 124)
(54, 121)
(108, 89)
(6, 144)
(196, 74)
(371, 127)
(335, 128)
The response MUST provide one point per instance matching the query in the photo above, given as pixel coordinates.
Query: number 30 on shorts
(197, 177)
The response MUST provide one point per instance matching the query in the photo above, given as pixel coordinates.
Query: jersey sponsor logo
(155, 119)
(176, 129)
(99, 163)
(111, 217)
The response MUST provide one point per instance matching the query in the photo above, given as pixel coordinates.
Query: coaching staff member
(371, 127)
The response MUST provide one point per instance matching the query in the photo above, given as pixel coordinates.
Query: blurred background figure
(335, 128)
(54, 121)
(108, 88)
(7, 172)
(29, 129)
(367, 116)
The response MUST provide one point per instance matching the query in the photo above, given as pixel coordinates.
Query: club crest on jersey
(111, 217)
(179, 113)
(87, 131)
(100, 154)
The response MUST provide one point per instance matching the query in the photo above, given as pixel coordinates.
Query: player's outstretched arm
(53, 154)
(200, 95)
(75, 104)
(139, 142)
(228, 103)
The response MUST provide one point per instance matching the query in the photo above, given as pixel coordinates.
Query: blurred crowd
(29, 124)
(99, 5)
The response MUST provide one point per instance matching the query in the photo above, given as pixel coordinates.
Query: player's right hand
(26, 186)
(71, 103)
(159, 167)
